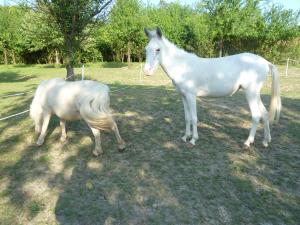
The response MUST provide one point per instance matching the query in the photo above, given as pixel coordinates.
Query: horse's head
(153, 50)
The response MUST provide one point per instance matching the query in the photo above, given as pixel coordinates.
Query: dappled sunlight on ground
(158, 179)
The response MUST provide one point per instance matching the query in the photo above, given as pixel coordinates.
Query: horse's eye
(157, 50)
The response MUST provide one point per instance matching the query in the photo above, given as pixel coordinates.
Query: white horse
(69, 100)
(193, 76)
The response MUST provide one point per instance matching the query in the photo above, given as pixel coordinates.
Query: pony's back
(71, 100)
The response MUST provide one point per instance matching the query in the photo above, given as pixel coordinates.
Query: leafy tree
(10, 20)
(281, 28)
(41, 39)
(81, 31)
(171, 18)
(71, 18)
(233, 21)
(126, 23)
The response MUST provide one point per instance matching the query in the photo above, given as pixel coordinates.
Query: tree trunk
(221, 46)
(49, 59)
(69, 59)
(220, 52)
(5, 56)
(70, 72)
(129, 54)
(56, 57)
(13, 57)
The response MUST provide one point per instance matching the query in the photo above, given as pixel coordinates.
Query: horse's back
(225, 75)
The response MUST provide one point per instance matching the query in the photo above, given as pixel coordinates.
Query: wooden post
(82, 72)
(287, 66)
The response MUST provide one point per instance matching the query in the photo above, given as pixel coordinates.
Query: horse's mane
(179, 52)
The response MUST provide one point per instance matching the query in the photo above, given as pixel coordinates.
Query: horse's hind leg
(253, 101)
(265, 117)
(63, 136)
(46, 119)
(191, 100)
(98, 149)
(121, 142)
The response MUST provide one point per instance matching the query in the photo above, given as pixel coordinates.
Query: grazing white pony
(72, 100)
(193, 76)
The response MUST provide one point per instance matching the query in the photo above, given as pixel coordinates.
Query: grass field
(158, 179)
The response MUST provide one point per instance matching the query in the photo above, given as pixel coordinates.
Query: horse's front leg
(191, 102)
(187, 120)
(63, 136)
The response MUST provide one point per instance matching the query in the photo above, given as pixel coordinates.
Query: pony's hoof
(122, 147)
(265, 144)
(246, 145)
(97, 153)
(39, 143)
(63, 139)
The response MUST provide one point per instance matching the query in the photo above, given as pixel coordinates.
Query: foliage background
(208, 28)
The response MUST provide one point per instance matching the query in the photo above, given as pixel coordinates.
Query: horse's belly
(71, 114)
(217, 92)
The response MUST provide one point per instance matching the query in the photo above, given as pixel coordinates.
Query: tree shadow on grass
(159, 179)
(8, 77)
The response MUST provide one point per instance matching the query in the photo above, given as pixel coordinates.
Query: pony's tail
(275, 104)
(95, 111)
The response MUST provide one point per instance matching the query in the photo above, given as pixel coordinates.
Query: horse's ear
(158, 32)
(147, 32)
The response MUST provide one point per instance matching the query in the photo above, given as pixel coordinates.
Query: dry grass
(158, 179)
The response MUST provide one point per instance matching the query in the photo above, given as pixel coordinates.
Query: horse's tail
(96, 112)
(275, 105)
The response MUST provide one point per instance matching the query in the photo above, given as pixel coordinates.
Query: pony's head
(153, 50)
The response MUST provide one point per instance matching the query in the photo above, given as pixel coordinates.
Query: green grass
(158, 179)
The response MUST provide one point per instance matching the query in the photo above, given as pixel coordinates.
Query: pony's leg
(63, 130)
(265, 117)
(187, 120)
(38, 124)
(191, 101)
(121, 142)
(46, 120)
(252, 99)
(98, 150)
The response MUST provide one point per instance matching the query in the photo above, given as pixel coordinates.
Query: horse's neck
(174, 60)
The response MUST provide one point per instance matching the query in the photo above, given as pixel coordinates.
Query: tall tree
(71, 18)
(126, 21)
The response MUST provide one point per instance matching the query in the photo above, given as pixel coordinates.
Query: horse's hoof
(63, 140)
(192, 142)
(97, 153)
(265, 144)
(185, 137)
(39, 143)
(246, 145)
